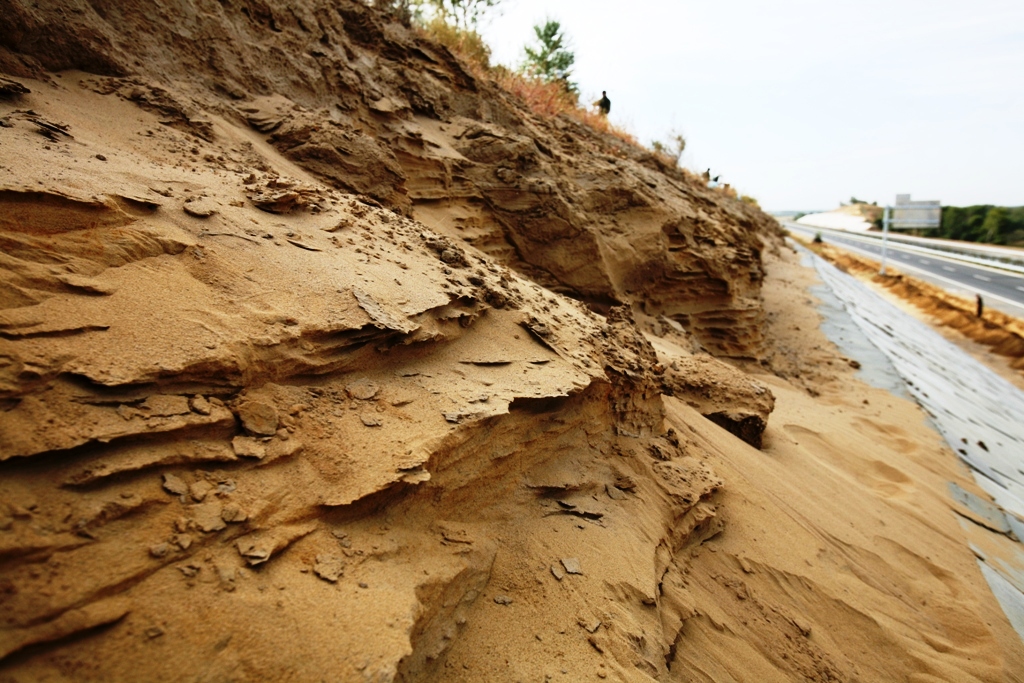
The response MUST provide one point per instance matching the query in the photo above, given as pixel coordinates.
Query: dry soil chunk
(259, 418)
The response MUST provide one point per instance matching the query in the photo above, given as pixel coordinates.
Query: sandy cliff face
(278, 375)
(322, 359)
(370, 108)
(328, 414)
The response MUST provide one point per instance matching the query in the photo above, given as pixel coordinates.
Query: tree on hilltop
(550, 59)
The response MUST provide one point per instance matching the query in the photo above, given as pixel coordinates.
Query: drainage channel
(978, 413)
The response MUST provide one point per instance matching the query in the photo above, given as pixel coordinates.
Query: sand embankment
(322, 358)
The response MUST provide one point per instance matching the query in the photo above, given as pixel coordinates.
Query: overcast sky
(803, 103)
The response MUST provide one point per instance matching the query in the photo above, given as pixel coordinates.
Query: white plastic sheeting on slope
(980, 414)
(835, 220)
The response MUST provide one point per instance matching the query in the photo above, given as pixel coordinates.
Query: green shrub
(467, 43)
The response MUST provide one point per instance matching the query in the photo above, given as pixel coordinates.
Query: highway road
(1000, 289)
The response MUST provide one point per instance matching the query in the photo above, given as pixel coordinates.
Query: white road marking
(952, 270)
(983, 278)
(959, 286)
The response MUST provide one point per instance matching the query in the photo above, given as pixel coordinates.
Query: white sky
(804, 103)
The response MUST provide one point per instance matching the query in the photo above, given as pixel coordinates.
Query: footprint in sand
(848, 457)
(891, 435)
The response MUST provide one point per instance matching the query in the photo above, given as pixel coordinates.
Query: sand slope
(292, 389)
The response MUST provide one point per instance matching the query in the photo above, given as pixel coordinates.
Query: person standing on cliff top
(604, 105)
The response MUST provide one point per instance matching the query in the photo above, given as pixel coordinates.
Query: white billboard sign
(907, 214)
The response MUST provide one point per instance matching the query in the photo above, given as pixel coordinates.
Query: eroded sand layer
(321, 357)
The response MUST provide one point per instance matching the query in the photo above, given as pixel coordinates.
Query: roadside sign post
(907, 214)
(885, 238)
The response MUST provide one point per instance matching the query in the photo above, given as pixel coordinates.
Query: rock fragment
(362, 389)
(199, 207)
(416, 476)
(721, 393)
(72, 621)
(190, 570)
(370, 420)
(614, 493)
(254, 554)
(329, 567)
(572, 565)
(175, 485)
(207, 516)
(166, 405)
(200, 405)
(259, 417)
(227, 576)
(502, 599)
(248, 447)
(281, 448)
(159, 550)
(9, 88)
(557, 572)
(50, 129)
(233, 513)
(257, 548)
(199, 489)
(454, 257)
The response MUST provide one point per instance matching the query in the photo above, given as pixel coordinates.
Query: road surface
(1000, 289)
